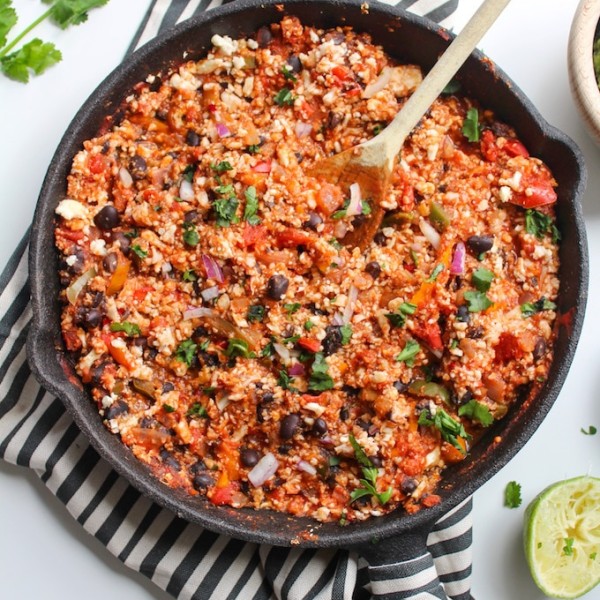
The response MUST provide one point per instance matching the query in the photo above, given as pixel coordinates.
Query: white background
(44, 553)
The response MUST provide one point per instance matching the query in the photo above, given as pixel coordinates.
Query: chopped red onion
(266, 467)
(262, 167)
(379, 84)
(195, 312)
(125, 177)
(337, 320)
(223, 130)
(213, 270)
(297, 369)
(433, 237)
(350, 304)
(306, 467)
(303, 129)
(210, 293)
(355, 206)
(186, 190)
(457, 267)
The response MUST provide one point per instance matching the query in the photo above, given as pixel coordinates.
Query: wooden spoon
(371, 163)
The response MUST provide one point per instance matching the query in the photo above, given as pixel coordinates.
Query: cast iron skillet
(407, 38)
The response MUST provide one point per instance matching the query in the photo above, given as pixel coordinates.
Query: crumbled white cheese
(252, 44)
(224, 43)
(71, 209)
(238, 62)
(71, 260)
(98, 247)
(505, 193)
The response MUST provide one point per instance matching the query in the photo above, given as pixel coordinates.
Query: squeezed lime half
(562, 537)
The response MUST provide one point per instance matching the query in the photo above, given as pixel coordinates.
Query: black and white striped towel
(183, 559)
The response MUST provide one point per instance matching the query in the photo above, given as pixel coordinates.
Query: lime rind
(562, 537)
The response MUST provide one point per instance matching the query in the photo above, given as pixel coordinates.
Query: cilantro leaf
(221, 167)
(538, 224)
(8, 19)
(512, 495)
(482, 279)
(139, 251)
(590, 431)
(471, 128)
(186, 351)
(256, 313)
(251, 207)
(292, 307)
(477, 301)
(528, 309)
(370, 474)
(434, 274)
(410, 350)
(129, 329)
(288, 73)
(190, 234)
(285, 381)
(35, 56)
(238, 347)
(197, 410)
(284, 97)
(72, 12)
(477, 412)
(346, 331)
(320, 379)
(398, 318)
(449, 428)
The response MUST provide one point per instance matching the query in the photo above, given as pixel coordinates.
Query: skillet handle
(401, 564)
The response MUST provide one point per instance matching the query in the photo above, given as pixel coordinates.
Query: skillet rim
(42, 348)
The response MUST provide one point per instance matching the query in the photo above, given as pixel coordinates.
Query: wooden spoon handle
(440, 75)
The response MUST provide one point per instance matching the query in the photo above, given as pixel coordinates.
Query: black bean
(344, 414)
(408, 485)
(380, 239)
(192, 138)
(115, 409)
(264, 37)
(191, 216)
(373, 269)
(107, 218)
(400, 386)
(169, 460)
(350, 390)
(198, 467)
(332, 341)
(333, 120)
(109, 262)
(320, 426)
(540, 348)
(314, 220)
(277, 286)
(202, 481)
(78, 265)
(364, 425)
(148, 423)
(475, 333)
(376, 461)
(97, 372)
(200, 332)
(463, 314)
(249, 457)
(466, 397)
(167, 387)
(208, 359)
(294, 62)
(93, 317)
(138, 167)
(123, 241)
(284, 449)
(141, 341)
(268, 397)
(480, 243)
(288, 426)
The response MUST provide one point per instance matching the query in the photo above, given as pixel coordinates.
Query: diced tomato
(73, 236)
(253, 234)
(96, 164)
(535, 193)
(488, 146)
(141, 293)
(341, 73)
(290, 237)
(263, 166)
(431, 334)
(329, 197)
(514, 147)
(508, 347)
(431, 500)
(309, 344)
(224, 495)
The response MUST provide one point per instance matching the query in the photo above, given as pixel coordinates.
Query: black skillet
(407, 38)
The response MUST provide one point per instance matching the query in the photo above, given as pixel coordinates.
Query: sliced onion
(433, 237)
(213, 270)
(306, 467)
(223, 402)
(125, 177)
(297, 370)
(186, 190)
(266, 467)
(355, 206)
(303, 129)
(457, 267)
(283, 352)
(379, 84)
(350, 304)
(195, 313)
(223, 130)
(77, 286)
(210, 293)
(337, 320)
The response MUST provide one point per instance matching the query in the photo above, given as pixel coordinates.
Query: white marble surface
(44, 553)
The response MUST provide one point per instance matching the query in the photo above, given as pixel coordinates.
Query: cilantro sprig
(512, 495)
(320, 380)
(449, 428)
(477, 412)
(369, 473)
(471, 128)
(36, 56)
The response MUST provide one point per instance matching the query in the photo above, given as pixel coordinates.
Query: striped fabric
(183, 559)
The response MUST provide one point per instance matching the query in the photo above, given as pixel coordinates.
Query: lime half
(562, 537)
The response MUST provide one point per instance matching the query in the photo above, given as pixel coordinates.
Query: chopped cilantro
(320, 380)
(334, 242)
(190, 234)
(377, 129)
(308, 325)
(538, 224)
(512, 495)
(288, 73)
(132, 234)
(186, 351)
(482, 279)
(256, 313)
(251, 207)
(139, 251)
(188, 173)
(477, 301)
(285, 381)
(410, 350)
(292, 339)
(268, 350)
(590, 431)
(284, 97)
(197, 410)
(398, 318)
(222, 166)
(471, 128)
(189, 275)
(528, 309)
(225, 210)
(292, 307)
(168, 408)
(477, 412)
(237, 347)
(449, 428)
(253, 149)
(129, 329)
(346, 331)
(435, 273)
(370, 473)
